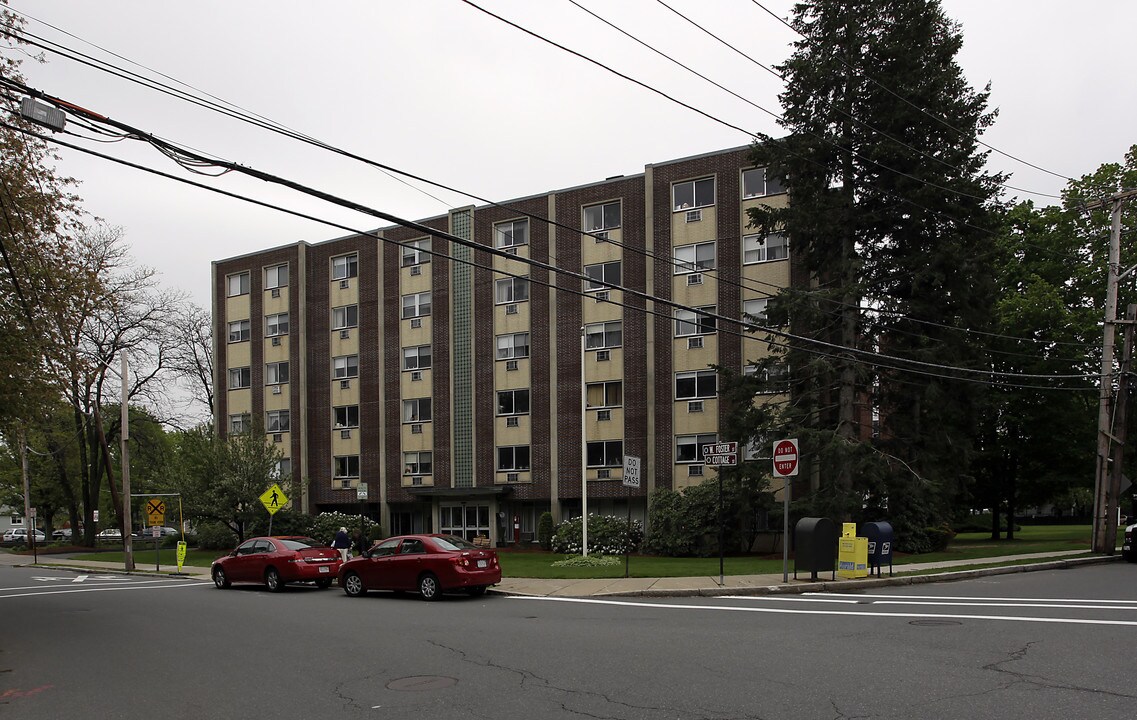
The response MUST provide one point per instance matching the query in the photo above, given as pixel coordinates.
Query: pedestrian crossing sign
(274, 499)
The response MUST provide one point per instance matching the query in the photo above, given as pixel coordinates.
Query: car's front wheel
(272, 580)
(353, 585)
(220, 579)
(428, 586)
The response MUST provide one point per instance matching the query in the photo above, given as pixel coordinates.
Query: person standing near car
(342, 543)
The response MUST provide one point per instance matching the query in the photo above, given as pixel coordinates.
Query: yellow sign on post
(155, 512)
(181, 554)
(274, 499)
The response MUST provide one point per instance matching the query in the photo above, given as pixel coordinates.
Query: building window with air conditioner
(419, 462)
(345, 366)
(693, 194)
(345, 416)
(276, 373)
(601, 217)
(276, 276)
(345, 467)
(608, 394)
(277, 421)
(513, 402)
(417, 357)
(602, 275)
(345, 266)
(416, 305)
(416, 252)
(239, 331)
(511, 234)
(605, 453)
(513, 346)
(603, 335)
(511, 290)
(276, 325)
(696, 384)
(512, 457)
(694, 258)
(416, 410)
(345, 316)
(700, 321)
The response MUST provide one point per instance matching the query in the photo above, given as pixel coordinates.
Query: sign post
(155, 518)
(631, 480)
(273, 499)
(785, 466)
(361, 496)
(718, 455)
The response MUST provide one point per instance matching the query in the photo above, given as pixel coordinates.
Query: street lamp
(583, 443)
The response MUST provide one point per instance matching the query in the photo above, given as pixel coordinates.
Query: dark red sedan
(276, 561)
(427, 564)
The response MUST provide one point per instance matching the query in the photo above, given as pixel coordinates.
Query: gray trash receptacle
(815, 546)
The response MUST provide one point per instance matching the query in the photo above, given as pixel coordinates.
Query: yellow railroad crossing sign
(155, 512)
(274, 499)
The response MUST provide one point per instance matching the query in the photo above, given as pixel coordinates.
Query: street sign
(32, 513)
(182, 547)
(631, 471)
(718, 454)
(273, 499)
(785, 458)
(155, 512)
(361, 491)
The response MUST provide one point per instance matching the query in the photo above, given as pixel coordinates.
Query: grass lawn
(966, 546)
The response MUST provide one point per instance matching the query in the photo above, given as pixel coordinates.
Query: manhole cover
(422, 682)
(934, 623)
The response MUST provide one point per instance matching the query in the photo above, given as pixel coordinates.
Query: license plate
(482, 563)
(324, 568)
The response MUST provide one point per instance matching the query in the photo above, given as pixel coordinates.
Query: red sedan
(427, 564)
(276, 561)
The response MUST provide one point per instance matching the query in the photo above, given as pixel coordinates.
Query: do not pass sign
(785, 458)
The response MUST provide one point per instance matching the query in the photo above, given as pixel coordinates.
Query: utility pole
(1105, 501)
(1121, 429)
(127, 528)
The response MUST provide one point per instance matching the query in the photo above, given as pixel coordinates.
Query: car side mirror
(233, 554)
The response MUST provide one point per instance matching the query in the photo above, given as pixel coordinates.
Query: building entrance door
(465, 520)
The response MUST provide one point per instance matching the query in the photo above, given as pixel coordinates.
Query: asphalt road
(1038, 645)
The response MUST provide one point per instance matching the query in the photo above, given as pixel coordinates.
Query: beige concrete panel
(593, 252)
(285, 440)
(409, 387)
(412, 336)
(239, 354)
(276, 401)
(510, 266)
(605, 429)
(505, 379)
(685, 422)
(276, 353)
(595, 312)
(505, 323)
(681, 479)
(520, 435)
(346, 446)
(273, 305)
(774, 201)
(344, 396)
(694, 358)
(762, 275)
(410, 283)
(339, 295)
(685, 233)
(604, 370)
(240, 402)
(338, 345)
(237, 308)
(416, 442)
(705, 293)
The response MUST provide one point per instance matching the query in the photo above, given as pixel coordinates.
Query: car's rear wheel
(428, 586)
(1129, 556)
(324, 583)
(353, 585)
(220, 579)
(272, 580)
(477, 591)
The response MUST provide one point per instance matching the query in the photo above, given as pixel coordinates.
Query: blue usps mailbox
(880, 545)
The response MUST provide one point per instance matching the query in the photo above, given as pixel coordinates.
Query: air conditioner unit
(344, 284)
(602, 296)
(603, 355)
(345, 384)
(694, 470)
(695, 406)
(345, 334)
(345, 434)
(276, 342)
(345, 483)
(511, 309)
(602, 415)
(510, 364)
(276, 292)
(277, 437)
(694, 343)
(600, 236)
(512, 422)
(416, 481)
(510, 251)
(276, 390)
(416, 269)
(513, 477)
(416, 375)
(695, 279)
(603, 474)
(416, 322)
(694, 215)
(416, 429)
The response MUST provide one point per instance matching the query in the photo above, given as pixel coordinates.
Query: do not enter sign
(785, 458)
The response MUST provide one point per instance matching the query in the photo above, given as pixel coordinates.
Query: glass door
(465, 520)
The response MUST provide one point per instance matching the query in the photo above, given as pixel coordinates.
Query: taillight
(460, 560)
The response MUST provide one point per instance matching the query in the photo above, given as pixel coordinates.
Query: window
(416, 410)
(604, 394)
(689, 448)
(511, 290)
(608, 272)
(513, 402)
(276, 324)
(239, 331)
(283, 469)
(241, 377)
(239, 424)
(276, 421)
(755, 309)
(755, 183)
(346, 466)
(700, 321)
(511, 234)
(776, 378)
(276, 276)
(513, 457)
(693, 193)
(606, 453)
(416, 252)
(276, 373)
(416, 358)
(603, 335)
(238, 284)
(345, 266)
(694, 258)
(757, 249)
(345, 316)
(418, 463)
(697, 384)
(345, 416)
(416, 305)
(510, 347)
(602, 217)
(345, 366)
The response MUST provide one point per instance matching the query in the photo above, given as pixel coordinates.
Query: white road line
(896, 601)
(109, 584)
(104, 589)
(958, 597)
(845, 613)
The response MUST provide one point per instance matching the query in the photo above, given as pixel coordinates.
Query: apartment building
(497, 362)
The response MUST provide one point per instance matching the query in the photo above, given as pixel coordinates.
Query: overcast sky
(441, 90)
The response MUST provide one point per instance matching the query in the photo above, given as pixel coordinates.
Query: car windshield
(452, 543)
(300, 543)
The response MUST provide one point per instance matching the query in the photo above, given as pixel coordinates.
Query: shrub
(214, 536)
(325, 525)
(607, 535)
(545, 531)
(588, 561)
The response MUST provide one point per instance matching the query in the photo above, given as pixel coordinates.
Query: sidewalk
(670, 587)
